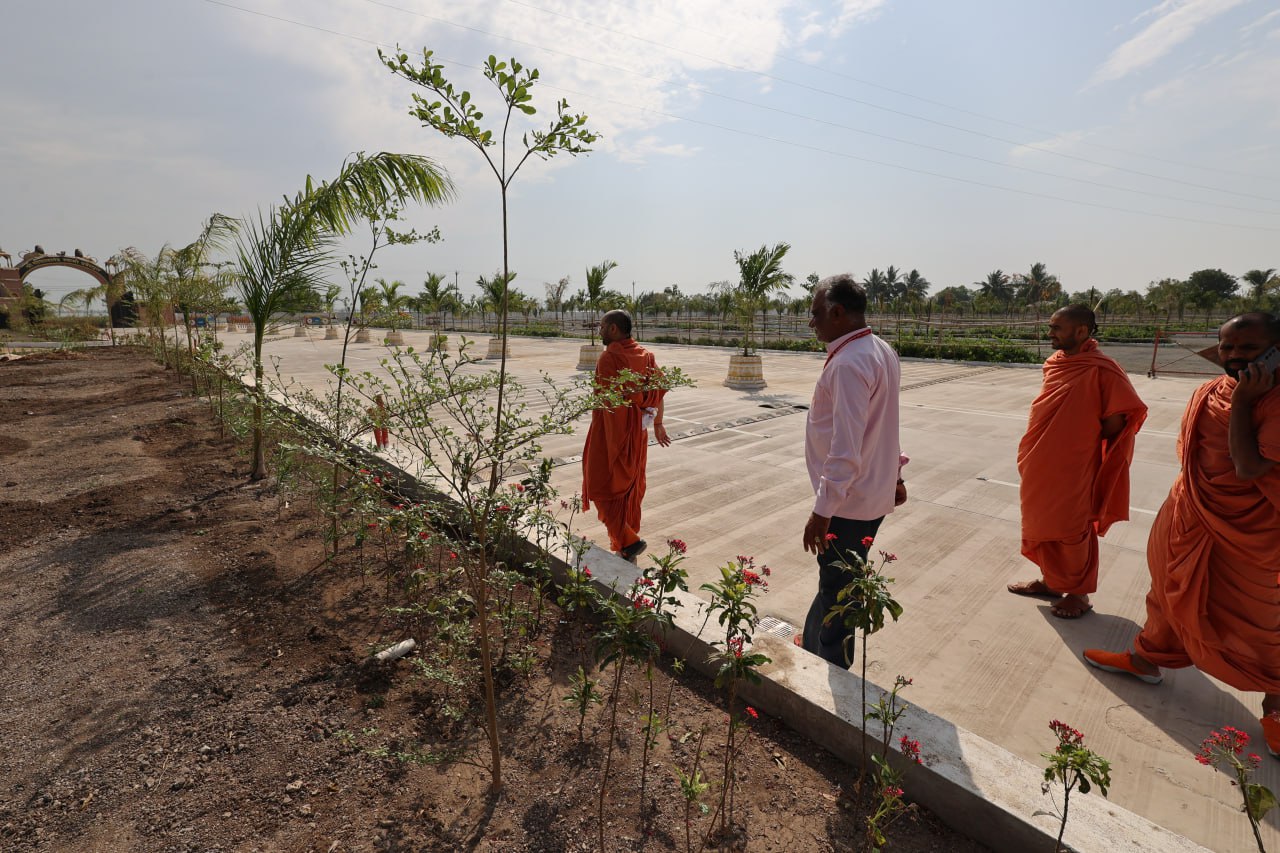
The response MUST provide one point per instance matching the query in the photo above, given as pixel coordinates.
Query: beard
(1235, 367)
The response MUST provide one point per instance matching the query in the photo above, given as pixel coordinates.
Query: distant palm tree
(595, 290)
(759, 275)
(286, 249)
(892, 283)
(435, 296)
(492, 291)
(875, 287)
(1039, 285)
(915, 287)
(1261, 281)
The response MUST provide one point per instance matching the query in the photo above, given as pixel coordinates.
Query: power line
(834, 124)
(776, 140)
(818, 90)
(869, 83)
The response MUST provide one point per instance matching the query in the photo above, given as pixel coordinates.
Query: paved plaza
(734, 482)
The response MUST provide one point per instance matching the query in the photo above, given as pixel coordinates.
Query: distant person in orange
(617, 447)
(1214, 549)
(1074, 461)
(379, 418)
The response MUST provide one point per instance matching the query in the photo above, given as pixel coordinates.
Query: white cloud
(854, 12)
(1175, 22)
(641, 149)
(637, 63)
(1270, 16)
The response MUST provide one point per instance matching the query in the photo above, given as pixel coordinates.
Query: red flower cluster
(519, 487)
(830, 537)
(642, 602)
(586, 573)
(503, 508)
(453, 555)
(677, 545)
(751, 712)
(891, 792)
(735, 646)
(1066, 734)
(643, 581)
(1229, 741)
(889, 558)
(866, 541)
(424, 535)
(910, 749)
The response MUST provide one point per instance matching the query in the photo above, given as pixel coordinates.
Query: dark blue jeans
(829, 641)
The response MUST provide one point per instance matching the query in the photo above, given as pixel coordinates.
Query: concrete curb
(978, 788)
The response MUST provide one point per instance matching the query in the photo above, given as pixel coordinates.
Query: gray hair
(844, 291)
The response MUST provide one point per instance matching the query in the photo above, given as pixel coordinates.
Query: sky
(1117, 141)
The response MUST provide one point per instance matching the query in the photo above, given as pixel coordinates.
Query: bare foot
(798, 641)
(1035, 587)
(1071, 606)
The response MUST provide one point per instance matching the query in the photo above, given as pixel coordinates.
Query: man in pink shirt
(851, 449)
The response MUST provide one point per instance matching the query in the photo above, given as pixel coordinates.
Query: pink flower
(910, 749)
(677, 545)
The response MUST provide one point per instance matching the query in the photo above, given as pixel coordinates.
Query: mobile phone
(1268, 361)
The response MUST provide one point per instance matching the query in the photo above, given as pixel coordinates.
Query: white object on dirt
(397, 651)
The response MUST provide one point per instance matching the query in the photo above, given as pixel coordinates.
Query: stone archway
(12, 276)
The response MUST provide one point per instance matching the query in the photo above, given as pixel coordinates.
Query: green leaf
(1260, 800)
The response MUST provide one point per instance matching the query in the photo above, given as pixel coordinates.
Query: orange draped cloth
(1075, 484)
(1214, 552)
(617, 447)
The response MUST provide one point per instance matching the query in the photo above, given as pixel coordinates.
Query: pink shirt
(851, 435)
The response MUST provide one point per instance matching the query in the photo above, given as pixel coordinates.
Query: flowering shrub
(732, 598)
(1073, 765)
(888, 781)
(862, 606)
(1226, 749)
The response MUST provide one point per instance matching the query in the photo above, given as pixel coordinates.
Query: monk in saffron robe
(617, 446)
(1074, 460)
(1214, 549)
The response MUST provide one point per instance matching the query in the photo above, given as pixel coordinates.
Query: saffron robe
(617, 446)
(1214, 552)
(1075, 484)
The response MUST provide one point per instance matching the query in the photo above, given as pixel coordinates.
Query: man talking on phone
(1214, 549)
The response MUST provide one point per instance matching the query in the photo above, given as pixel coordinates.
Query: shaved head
(1078, 315)
(621, 319)
(1267, 323)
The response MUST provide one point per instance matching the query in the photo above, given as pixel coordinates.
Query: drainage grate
(777, 627)
(966, 375)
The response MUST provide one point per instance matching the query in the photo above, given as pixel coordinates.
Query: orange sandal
(1122, 662)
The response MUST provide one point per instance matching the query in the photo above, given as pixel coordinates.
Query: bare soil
(182, 672)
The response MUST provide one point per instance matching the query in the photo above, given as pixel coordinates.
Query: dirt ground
(181, 673)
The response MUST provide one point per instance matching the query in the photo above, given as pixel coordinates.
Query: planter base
(330, 333)
(395, 339)
(588, 355)
(746, 373)
(495, 348)
(362, 336)
(300, 331)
